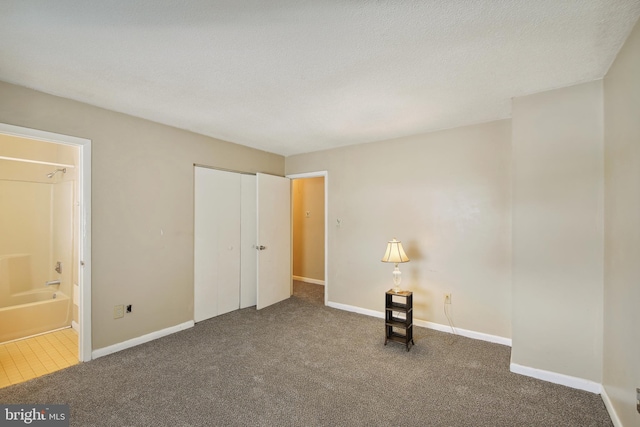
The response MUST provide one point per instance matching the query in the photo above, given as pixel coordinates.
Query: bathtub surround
(37, 211)
(38, 246)
(34, 312)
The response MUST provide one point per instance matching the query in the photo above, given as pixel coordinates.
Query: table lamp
(395, 254)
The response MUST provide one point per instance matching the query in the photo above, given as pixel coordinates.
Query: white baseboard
(431, 325)
(609, 405)
(464, 332)
(140, 340)
(553, 377)
(75, 326)
(355, 309)
(308, 280)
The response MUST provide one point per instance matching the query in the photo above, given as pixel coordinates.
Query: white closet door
(216, 243)
(248, 238)
(274, 239)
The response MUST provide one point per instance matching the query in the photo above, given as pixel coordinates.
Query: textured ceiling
(294, 76)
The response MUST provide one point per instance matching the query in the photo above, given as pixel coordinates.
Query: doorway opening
(45, 255)
(309, 232)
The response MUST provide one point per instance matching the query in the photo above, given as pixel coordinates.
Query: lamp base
(397, 279)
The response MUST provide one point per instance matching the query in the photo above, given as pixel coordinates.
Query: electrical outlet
(129, 308)
(118, 311)
(447, 298)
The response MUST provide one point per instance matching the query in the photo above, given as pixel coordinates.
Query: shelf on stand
(393, 323)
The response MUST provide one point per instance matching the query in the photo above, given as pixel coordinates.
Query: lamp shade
(395, 252)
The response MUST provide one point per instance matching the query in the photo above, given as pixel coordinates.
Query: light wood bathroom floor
(36, 356)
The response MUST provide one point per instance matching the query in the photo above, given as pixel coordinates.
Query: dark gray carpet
(299, 363)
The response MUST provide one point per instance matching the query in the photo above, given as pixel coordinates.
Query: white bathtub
(33, 312)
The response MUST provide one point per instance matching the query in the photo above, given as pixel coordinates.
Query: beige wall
(308, 231)
(142, 206)
(446, 196)
(558, 231)
(622, 230)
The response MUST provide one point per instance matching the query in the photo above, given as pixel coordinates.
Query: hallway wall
(308, 229)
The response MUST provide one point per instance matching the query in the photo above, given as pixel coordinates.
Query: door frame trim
(325, 175)
(84, 223)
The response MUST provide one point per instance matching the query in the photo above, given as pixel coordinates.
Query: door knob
(261, 248)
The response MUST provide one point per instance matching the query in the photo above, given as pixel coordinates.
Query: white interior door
(216, 243)
(274, 239)
(248, 237)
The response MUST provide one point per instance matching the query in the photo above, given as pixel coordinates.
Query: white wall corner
(609, 405)
(430, 325)
(553, 377)
(75, 326)
(141, 340)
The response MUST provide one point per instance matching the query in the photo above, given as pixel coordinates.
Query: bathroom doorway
(309, 233)
(45, 250)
